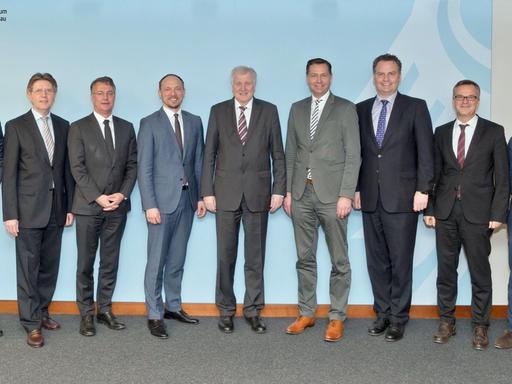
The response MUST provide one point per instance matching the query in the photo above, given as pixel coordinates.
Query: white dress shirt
(100, 120)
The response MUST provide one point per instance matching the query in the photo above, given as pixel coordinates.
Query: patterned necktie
(177, 131)
(242, 126)
(48, 138)
(108, 138)
(381, 124)
(461, 145)
(313, 125)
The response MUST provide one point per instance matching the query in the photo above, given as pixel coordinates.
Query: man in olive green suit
(322, 164)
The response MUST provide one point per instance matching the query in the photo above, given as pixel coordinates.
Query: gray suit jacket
(232, 170)
(334, 154)
(93, 170)
(160, 165)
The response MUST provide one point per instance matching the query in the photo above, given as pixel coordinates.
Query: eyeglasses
(470, 98)
(101, 93)
(41, 91)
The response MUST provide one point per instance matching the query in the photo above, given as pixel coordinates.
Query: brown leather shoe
(444, 332)
(50, 324)
(480, 338)
(504, 341)
(300, 325)
(35, 339)
(334, 331)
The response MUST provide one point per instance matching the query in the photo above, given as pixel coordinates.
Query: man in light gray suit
(170, 155)
(243, 136)
(322, 163)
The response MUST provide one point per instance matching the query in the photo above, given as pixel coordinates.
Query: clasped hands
(110, 202)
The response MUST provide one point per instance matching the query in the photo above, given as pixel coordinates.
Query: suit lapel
(100, 139)
(165, 125)
(367, 115)
(252, 124)
(394, 118)
(323, 117)
(232, 122)
(479, 130)
(58, 138)
(186, 132)
(305, 110)
(38, 139)
(448, 144)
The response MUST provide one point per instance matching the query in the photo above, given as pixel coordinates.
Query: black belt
(184, 187)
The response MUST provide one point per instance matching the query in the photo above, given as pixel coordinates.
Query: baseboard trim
(271, 310)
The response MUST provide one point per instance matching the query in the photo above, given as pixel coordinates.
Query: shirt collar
(322, 98)
(37, 115)
(101, 119)
(247, 106)
(390, 98)
(471, 122)
(170, 112)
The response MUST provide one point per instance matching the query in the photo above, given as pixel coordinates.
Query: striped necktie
(242, 125)
(48, 138)
(313, 125)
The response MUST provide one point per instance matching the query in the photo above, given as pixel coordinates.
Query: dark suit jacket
(1, 153)
(484, 179)
(29, 176)
(91, 167)
(160, 165)
(404, 164)
(231, 170)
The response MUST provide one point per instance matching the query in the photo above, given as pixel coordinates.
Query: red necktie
(461, 145)
(242, 126)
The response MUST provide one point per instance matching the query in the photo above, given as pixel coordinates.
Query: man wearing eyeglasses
(470, 200)
(37, 192)
(103, 158)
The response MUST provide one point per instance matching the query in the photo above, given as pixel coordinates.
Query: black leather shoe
(378, 327)
(157, 329)
(226, 324)
(395, 332)
(181, 316)
(87, 327)
(257, 325)
(110, 321)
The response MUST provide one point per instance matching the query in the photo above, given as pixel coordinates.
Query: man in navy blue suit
(170, 156)
(396, 175)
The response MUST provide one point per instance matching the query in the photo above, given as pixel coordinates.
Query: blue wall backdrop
(136, 42)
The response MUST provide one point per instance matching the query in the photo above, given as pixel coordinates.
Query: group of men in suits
(56, 173)
(379, 156)
(385, 160)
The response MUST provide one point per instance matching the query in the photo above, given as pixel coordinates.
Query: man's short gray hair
(242, 70)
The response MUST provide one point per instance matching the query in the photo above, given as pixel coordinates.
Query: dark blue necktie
(381, 124)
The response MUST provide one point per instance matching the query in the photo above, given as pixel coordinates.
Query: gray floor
(202, 354)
